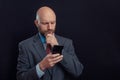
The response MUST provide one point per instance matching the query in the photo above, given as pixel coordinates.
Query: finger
(57, 58)
(49, 40)
(49, 55)
(55, 55)
(49, 35)
(51, 64)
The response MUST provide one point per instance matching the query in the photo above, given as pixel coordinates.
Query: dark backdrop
(92, 24)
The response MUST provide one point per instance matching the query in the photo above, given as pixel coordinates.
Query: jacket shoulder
(27, 41)
(63, 38)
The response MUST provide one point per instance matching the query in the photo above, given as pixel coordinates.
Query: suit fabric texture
(31, 52)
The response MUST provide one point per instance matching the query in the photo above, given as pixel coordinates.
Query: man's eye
(52, 23)
(44, 23)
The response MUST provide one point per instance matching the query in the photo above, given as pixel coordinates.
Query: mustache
(49, 32)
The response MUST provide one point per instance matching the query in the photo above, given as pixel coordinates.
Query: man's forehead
(46, 21)
(47, 18)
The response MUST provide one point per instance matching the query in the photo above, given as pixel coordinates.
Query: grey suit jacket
(31, 52)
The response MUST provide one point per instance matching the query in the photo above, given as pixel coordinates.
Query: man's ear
(36, 23)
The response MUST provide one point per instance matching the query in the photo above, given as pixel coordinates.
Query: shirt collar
(42, 38)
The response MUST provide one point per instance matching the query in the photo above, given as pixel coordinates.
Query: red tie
(48, 48)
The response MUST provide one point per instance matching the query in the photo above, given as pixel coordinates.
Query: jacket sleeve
(24, 71)
(70, 62)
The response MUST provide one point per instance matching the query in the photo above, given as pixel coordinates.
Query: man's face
(46, 24)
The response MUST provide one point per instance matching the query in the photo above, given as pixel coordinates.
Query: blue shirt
(42, 38)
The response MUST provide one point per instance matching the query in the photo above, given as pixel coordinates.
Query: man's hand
(50, 60)
(51, 39)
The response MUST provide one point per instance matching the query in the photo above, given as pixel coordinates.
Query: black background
(92, 24)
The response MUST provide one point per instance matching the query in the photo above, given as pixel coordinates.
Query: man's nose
(49, 26)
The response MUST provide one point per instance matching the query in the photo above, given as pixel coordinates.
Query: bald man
(34, 63)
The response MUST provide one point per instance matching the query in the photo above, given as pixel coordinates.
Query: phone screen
(57, 49)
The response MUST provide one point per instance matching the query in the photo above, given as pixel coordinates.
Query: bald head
(45, 20)
(45, 12)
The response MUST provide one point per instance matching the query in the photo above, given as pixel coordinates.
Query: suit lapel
(39, 46)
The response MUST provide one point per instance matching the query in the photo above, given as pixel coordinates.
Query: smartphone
(57, 49)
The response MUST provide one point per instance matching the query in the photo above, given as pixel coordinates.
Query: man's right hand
(50, 60)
